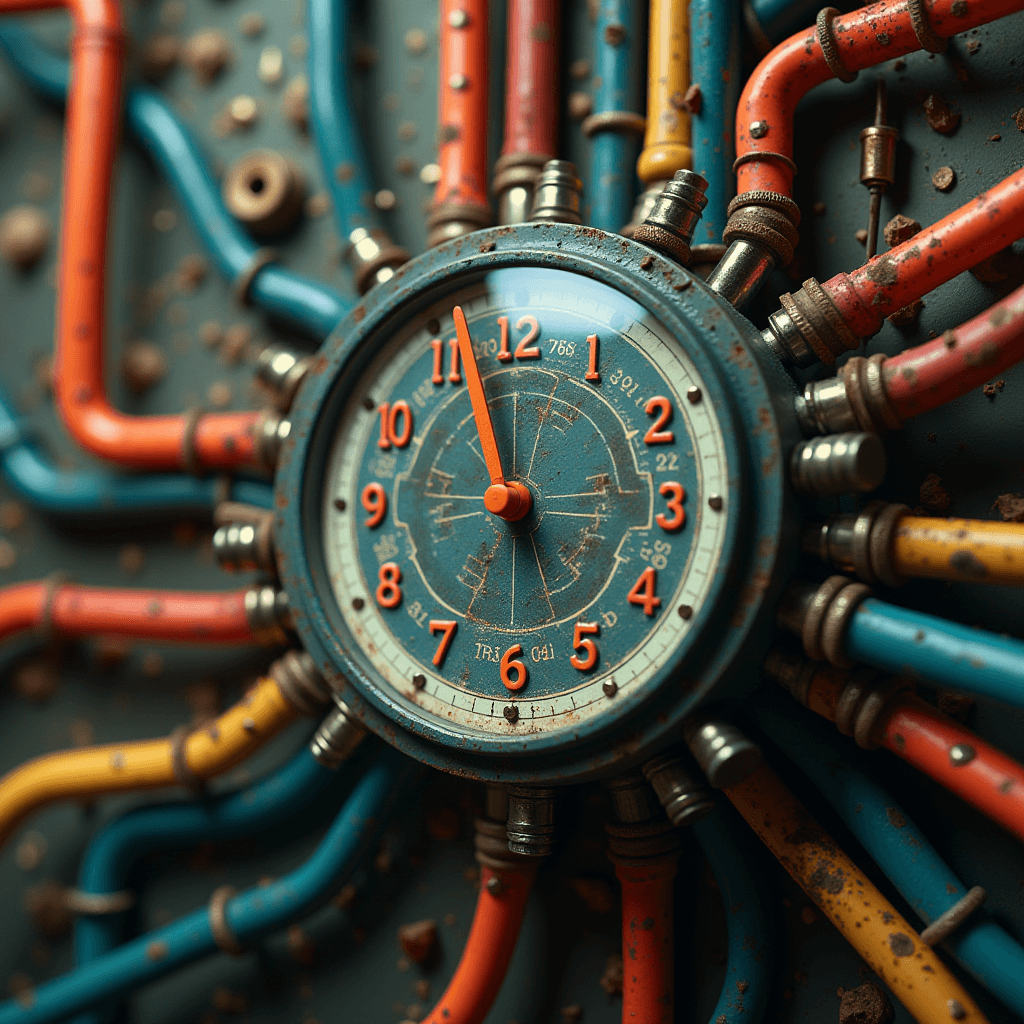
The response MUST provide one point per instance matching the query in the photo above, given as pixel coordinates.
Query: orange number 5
(675, 506)
(579, 639)
(507, 663)
(389, 593)
(447, 627)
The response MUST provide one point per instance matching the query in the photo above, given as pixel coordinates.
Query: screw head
(685, 611)
(357, 603)
(715, 502)
(961, 754)
(609, 688)
(369, 404)
(511, 713)
(458, 19)
(419, 681)
(758, 129)
(694, 394)
(495, 886)
(339, 504)
(458, 81)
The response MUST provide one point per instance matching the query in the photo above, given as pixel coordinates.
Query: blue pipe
(893, 841)
(612, 184)
(249, 915)
(750, 961)
(715, 67)
(336, 133)
(266, 808)
(776, 16)
(307, 304)
(33, 477)
(964, 659)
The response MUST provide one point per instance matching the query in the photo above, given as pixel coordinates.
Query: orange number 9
(507, 663)
(375, 501)
(579, 640)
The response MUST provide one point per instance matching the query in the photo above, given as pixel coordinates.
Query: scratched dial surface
(537, 625)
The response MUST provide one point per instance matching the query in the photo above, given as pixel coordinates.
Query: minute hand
(509, 501)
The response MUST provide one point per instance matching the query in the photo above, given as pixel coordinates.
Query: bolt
(685, 611)
(609, 688)
(419, 681)
(956, 1011)
(694, 394)
(458, 81)
(961, 754)
(495, 886)
(511, 713)
(458, 19)
(758, 129)
(715, 502)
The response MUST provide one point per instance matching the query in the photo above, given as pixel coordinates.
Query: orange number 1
(592, 373)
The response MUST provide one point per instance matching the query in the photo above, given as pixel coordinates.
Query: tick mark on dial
(715, 502)
(357, 603)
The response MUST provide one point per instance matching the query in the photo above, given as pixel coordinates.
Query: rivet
(961, 754)
(758, 129)
(694, 394)
(339, 504)
(458, 81)
(369, 403)
(385, 199)
(715, 502)
(685, 611)
(511, 713)
(495, 886)
(609, 688)
(357, 603)
(956, 1011)
(419, 681)
(248, 725)
(430, 174)
(458, 19)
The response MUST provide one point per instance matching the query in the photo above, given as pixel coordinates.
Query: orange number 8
(389, 593)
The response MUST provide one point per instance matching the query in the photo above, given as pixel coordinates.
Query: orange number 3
(676, 494)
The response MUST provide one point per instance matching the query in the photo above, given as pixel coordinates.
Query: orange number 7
(447, 627)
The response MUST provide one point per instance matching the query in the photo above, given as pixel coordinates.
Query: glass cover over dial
(539, 612)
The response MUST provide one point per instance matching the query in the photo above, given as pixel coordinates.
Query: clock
(532, 505)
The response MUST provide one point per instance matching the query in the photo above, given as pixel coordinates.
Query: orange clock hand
(509, 501)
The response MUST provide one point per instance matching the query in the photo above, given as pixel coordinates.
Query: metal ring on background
(221, 931)
(837, 619)
(829, 49)
(242, 284)
(767, 154)
(819, 604)
(929, 39)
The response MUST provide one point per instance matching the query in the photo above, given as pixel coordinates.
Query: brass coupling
(808, 328)
(768, 220)
(454, 219)
(820, 615)
(337, 736)
(244, 539)
(373, 257)
(859, 542)
(515, 182)
(300, 681)
(862, 704)
(855, 399)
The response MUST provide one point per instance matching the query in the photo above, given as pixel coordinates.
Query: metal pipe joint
(244, 539)
(820, 615)
(724, 753)
(268, 614)
(531, 820)
(373, 257)
(672, 219)
(808, 328)
(855, 399)
(837, 463)
(337, 736)
(859, 542)
(559, 194)
(279, 371)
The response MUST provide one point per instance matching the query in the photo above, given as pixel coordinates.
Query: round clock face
(539, 624)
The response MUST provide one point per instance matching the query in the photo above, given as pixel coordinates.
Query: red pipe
(988, 780)
(929, 375)
(864, 37)
(492, 938)
(462, 114)
(648, 978)
(933, 256)
(223, 441)
(72, 611)
(531, 85)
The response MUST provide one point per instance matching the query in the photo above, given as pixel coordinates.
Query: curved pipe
(667, 139)
(867, 920)
(309, 305)
(95, 493)
(715, 69)
(531, 105)
(648, 979)
(277, 808)
(615, 127)
(750, 959)
(895, 843)
(489, 947)
(460, 201)
(247, 916)
(886, 713)
(930, 375)
(146, 764)
(864, 37)
(174, 615)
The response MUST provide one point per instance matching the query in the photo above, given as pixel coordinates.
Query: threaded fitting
(268, 614)
(820, 616)
(808, 328)
(723, 752)
(642, 207)
(837, 463)
(856, 399)
(684, 798)
(280, 371)
(859, 542)
(373, 257)
(246, 546)
(300, 681)
(531, 820)
(272, 431)
(632, 798)
(337, 736)
(672, 219)
(559, 194)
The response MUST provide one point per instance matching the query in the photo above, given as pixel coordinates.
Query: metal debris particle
(25, 233)
(932, 495)
(611, 979)
(298, 45)
(430, 174)
(211, 333)
(207, 54)
(252, 24)
(580, 70)
(385, 199)
(271, 65)
(899, 229)
(580, 105)
(295, 103)
(318, 204)
(219, 394)
(906, 315)
(1011, 507)
(30, 851)
(12, 515)
(407, 131)
(159, 57)
(36, 680)
(143, 366)
(131, 559)
(944, 179)
(866, 1004)
(243, 111)
(419, 940)
(861, 234)
(938, 115)
(416, 42)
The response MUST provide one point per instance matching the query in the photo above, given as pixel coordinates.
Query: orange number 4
(642, 592)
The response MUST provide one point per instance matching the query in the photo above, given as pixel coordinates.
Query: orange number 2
(659, 405)
(447, 627)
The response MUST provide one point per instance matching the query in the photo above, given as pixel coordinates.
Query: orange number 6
(579, 640)
(507, 663)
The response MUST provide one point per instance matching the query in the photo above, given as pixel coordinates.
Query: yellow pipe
(867, 920)
(959, 549)
(146, 764)
(667, 139)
